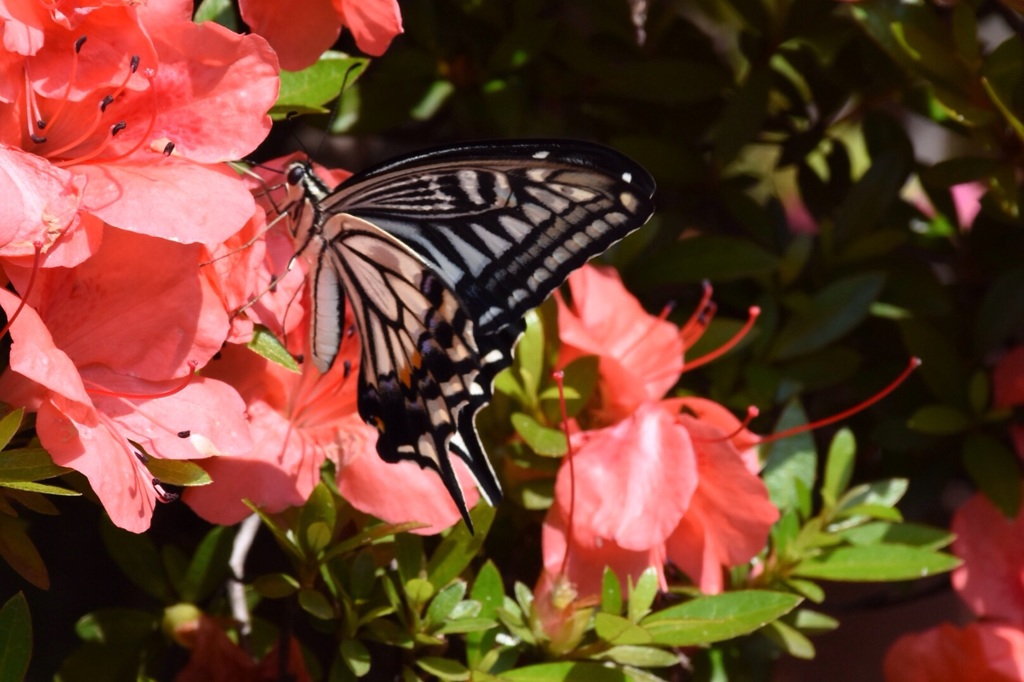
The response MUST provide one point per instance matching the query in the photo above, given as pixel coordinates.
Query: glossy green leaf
(838, 466)
(27, 464)
(939, 420)
(219, 11)
(276, 585)
(9, 425)
(20, 553)
(442, 605)
(268, 346)
(564, 671)
(42, 488)
(832, 313)
(789, 639)
(640, 656)
(459, 547)
(618, 630)
(208, 568)
(812, 622)
(611, 592)
(882, 532)
(117, 627)
(875, 563)
(317, 519)
(995, 470)
(419, 591)
(641, 595)
(886, 493)
(316, 604)
(178, 472)
(543, 440)
(717, 618)
(443, 668)
(15, 638)
(308, 90)
(790, 460)
(489, 591)
(356, 656)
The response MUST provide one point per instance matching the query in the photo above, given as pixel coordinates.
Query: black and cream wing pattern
(440, 254)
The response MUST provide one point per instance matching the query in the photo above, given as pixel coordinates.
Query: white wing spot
(627, 177)
(494, 356)
(541, 155)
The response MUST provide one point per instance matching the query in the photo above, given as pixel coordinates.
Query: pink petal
(586, 563)
(214, 89)
(729, 517)
(41, 203)
(169, 198)
(298, 32)
(120, 481)
(980, 652)
(992, 547)
(634, 480)
(725, 422)
(104, 312)
(1008, 379)
(374, 23)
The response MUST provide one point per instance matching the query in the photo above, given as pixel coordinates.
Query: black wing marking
(441, 253)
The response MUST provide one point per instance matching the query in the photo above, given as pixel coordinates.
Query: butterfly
(440, 254)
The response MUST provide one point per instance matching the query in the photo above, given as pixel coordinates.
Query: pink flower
(136, 105)
(991, 580)
(216, 657)
(980, 652)
(300, 32)
(640, 355)
(100, 353)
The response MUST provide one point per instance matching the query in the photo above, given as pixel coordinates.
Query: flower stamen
(36, 262)
(752, 314)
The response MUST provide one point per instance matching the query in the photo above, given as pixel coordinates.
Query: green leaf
(442, 605)
(316, 604)
(467, 626)
(208, 568)
(219, 11)
(488, 590)
(866, 203)
(356, 656)
(268, 346)
(838, 466)
(813, 622)
(789, 639)
(740, 120)
(15, 638)
(564, 671)
(9, 426)
(419, 591)
(529, 357)
(178, 472)
(882, 532)
(718, 617)
(832, 313)
(705, 257)
(938, 420)
(580, 381)
(611, 592)
(884, 493)
(640, 656)
(125, 628)
(459, 547)
(20, 553)
(443, 668)
(308, 90)
(42, 488)
(618, 630)
(543, 440)
(995, 470)
(641, 596)
(138, 559)
(276, 585)
(1001, 310)
(27, 464)
(790, 460)
(875, 563)
(316, 520)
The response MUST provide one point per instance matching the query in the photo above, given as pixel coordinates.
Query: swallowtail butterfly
(440, 254)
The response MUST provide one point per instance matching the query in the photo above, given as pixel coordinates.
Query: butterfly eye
(295, 174)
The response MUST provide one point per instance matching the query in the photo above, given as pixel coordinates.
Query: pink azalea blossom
(96, 340)
(991, 579)
(301, 32)
(979, 652)
(671, 481)
(137, 105)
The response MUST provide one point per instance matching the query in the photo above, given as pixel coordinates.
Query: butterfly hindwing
(440, 254)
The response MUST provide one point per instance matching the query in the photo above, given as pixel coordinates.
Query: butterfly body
(440, 254)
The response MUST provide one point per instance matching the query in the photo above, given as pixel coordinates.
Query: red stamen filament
(752, 315)
(752, 413)
(36, 260)
(67, 91)
(559, 377)
(913, 364)
(699, 311)
(692, 332)
(192, 365)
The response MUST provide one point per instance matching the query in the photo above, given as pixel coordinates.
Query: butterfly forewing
(440, 254)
